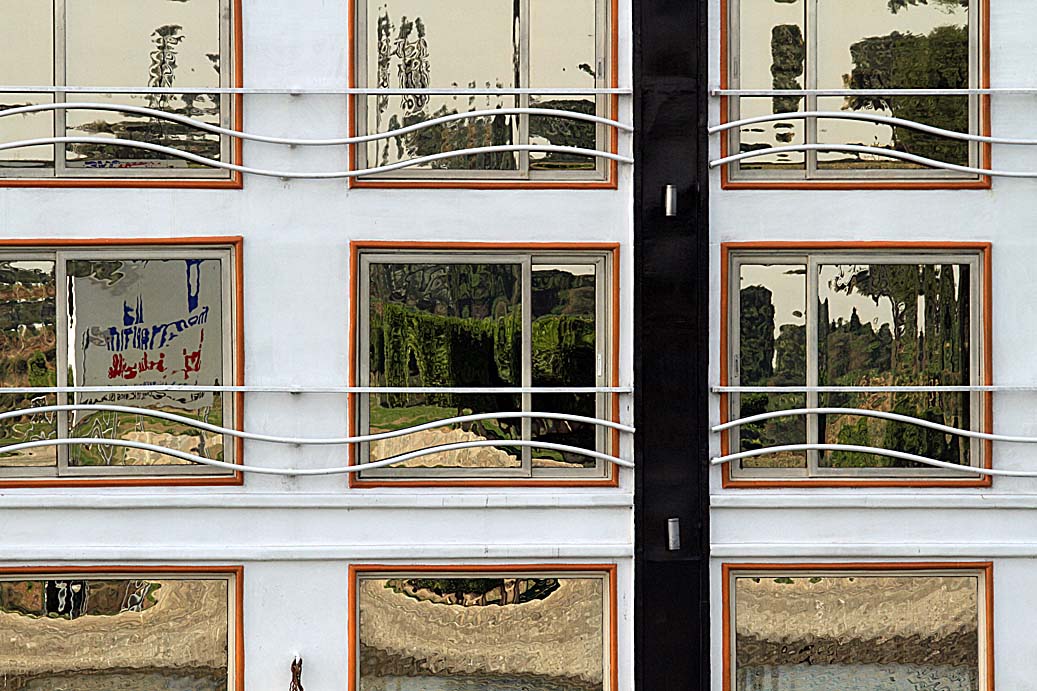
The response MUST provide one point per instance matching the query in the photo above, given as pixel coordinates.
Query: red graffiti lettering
(120, 368)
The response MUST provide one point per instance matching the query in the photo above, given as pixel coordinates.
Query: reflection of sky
(574, 269)
(841, 23)
(788, 290)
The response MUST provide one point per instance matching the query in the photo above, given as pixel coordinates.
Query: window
(851, 317)
(143, 315)
(486, 318)
(119, 43)
(490, 45)
(871, 44)
(530, 627)
(121, 628)
(895, 626)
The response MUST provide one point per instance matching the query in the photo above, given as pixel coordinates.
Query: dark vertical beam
(671, 317)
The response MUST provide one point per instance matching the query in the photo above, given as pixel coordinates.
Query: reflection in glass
(154, 43)
(772, 352)
(564, 354)
(28, 351)
(861, 632)
(447, 325)
(417, 44)
(467, 632)
(28, 59)
(146, 634)
(893, 44)
(140, 322)
(894, 325)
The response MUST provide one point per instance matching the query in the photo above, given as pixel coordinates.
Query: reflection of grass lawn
(388, 419)
(126, 424)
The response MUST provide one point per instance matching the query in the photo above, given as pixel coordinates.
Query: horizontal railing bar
(879, 414)
(332, 175)
(147, 388)
(875, 151)
(183, 455)
(868, 117)
(332, 441)
(853, 448)
(979, 388)
(310, 91)
(875, 92)
(238, 134)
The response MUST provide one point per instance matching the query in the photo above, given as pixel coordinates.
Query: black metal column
(670, 345)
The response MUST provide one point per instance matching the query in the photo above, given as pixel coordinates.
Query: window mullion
(61, 358)
(812, 360)
(527, 359)
(810, 82)
(524, 99)
(60, 79)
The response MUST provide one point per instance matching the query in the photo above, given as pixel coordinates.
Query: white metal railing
(313, 441)
(288, 141)
(868, 117)
(878, 414)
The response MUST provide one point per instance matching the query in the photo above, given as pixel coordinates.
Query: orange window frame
(728, 570)
(610, 182)
(233, 182)
(986, 330)
(609, 570)
(356, 247)
(238, 337)
(984, 182)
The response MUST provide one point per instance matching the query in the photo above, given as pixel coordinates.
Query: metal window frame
(519, 571)
(600, 259)
(603, 23)
(811, 259)
(229, 577)
(810, 172)
(63, 469)
(61, 169)
(978, 572)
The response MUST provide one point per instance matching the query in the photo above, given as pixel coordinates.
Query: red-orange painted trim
(983, 183)
(987, 330)
(728, 569)
(235, 242)
(237, 572)
(357, 246)
(234, 182)
(611, 181)
(610, 569)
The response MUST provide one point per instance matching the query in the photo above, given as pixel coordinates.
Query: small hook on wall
(296, 684)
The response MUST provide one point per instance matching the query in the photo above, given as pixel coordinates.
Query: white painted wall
(296, 537)
(815, 525)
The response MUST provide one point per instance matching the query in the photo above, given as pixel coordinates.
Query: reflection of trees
(939, 60)
(788, 56)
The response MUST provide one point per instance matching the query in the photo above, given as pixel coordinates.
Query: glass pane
(563, 53)
(468, 632)
(140, 322)
(767, 135)
(448, 325)
(28, 342)
(103, 633)
(28, 60)
(894, 325)
(154, 43)
(564, 354)
(894, 44)
(863, 632)
(772, 352)
(462, 43)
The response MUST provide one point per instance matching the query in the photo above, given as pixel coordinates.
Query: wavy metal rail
(342, 470)
(296, 389)
(239, 134)
(719, 460)
(882, 415)
(875, 150)
(284, 174)
(867, 117)
(327, 441)
(311, 91)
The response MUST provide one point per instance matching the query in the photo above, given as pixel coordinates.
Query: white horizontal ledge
(1025, 90)
(909, 499)
(234, 553)
(316, 91)
(198, 498)
(878, 550)
(302, 389)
